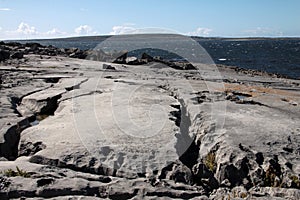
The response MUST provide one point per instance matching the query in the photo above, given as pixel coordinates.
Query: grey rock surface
(78, 129)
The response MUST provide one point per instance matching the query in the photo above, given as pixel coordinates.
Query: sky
(29, 19)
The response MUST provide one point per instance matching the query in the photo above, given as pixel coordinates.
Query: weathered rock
(147, 57)
(177, 172)
(4, 55)
(203, 176)
(145, 132)
(131, 60)
(78, 54)
(17, 55)
(120, 59)
(12, 44)
(109, 67)
(43, 102)
(34, 47)
(11, 138)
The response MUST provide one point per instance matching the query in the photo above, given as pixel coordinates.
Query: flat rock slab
(114, 127)
(153, 124)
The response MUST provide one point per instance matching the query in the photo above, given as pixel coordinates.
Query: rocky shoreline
(233, 136)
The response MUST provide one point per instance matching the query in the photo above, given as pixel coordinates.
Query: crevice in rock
(259, 158)
(32, 92)
(15, 101)
(9, 148)
(82, 95)
(176, 117)
(51, 106)
(99, 170)
(77, 86)
(44, 181)
(186, 147)
(190, 156)
(52, 80)
(29, 148)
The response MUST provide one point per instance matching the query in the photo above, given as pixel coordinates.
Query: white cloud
(26, 31)
(24, 28)
(55, 32)
(124, 29)
(84, 30)
(259, 31)
(130, 28)
(5, 9)
(200, 32)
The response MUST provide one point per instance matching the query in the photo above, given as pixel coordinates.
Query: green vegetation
(270, 177)
(210, 161)
(243, 195)
(295, 181)
(41, 117)
(12, 173)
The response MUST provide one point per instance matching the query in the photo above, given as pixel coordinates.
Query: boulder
(4, 55)
(147, 57)
(12, 44)
(106, 66)
(33, 46)
(177, 172)
(203, 176)
(121, 59)
(78, 54)
(132, 60)
(17, 55)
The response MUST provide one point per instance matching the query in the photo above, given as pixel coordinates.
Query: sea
(273, 55)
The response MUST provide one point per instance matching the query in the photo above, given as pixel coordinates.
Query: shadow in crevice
(186, 147)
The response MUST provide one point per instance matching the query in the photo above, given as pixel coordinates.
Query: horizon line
(195, 36)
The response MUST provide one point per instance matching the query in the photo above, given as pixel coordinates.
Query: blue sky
(227, 18)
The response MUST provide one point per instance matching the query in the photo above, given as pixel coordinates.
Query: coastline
(274, 55)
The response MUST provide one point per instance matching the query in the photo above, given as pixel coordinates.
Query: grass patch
(210, 161)
(13, 173)
(295, 181)
(41, 117)
(270, 177)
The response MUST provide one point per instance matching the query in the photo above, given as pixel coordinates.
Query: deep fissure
(9, 148)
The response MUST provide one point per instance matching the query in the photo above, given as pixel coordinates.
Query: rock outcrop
(17, 50)
(85, 129)
(4, 55)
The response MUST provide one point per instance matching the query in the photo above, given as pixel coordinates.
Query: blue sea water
(281, 55)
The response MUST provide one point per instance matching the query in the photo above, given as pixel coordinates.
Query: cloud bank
(266, 31)
(5, 9)
(26, 31)
(200, 31)
(84, 30)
